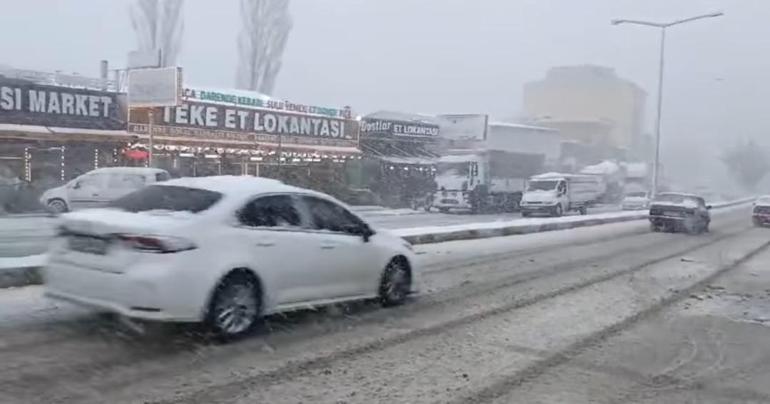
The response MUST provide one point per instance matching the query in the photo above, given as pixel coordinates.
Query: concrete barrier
(440, 234)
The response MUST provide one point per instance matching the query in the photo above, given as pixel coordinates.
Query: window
(170, 198)
(270, 211)
(329, 216)
(126, 181)
(90, 181)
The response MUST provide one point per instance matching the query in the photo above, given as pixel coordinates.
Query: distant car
(676, 212)
(224, 251)
(761, 211)
(636, 201)
(99, 187)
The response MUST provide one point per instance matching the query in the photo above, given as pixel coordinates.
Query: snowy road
(611, 313)
(29, 235)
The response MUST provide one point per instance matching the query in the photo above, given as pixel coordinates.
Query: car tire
(557, 211)
(654, 228)
(525, 214)
(443, 210)
(235, 306)
(57, 206)
(396, 283)
(583, 210)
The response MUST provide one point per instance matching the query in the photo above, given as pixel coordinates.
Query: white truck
(481, 180)
(554, 194)
(487, 167)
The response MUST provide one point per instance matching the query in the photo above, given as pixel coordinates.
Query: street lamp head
(617, 22)
(716, 14)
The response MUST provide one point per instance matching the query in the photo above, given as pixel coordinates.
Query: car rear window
(168, 198)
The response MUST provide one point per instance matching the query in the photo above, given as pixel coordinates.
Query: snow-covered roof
(403, 116)
(605, 167)
(522, 126)
(129, 170)
(232, 184)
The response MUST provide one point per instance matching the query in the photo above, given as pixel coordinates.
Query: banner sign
(388, 128)
(214, 122)
(42, 105)
(255, 100)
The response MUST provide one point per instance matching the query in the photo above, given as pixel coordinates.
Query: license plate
(89, 245)
(670, 213)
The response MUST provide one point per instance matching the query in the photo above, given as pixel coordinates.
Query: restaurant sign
(255, 100)
(389, 128)
(26, 103)
(215, 122)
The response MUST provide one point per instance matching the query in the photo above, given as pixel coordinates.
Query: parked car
(224, 251)
(636, 201)
(761, 212)
(671, 211)
(99, 187)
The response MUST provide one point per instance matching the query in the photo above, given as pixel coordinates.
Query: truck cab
(456, 176)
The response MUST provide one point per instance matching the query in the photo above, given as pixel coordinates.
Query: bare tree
(266, 27)
(158, 25)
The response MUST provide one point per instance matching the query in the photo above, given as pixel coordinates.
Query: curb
(30, 275)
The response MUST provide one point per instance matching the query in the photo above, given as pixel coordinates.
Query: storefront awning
(36, 132)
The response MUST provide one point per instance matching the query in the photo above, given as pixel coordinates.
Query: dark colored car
(761, 212)
(678, 212)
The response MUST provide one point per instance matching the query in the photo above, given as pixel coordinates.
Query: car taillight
(155, 244)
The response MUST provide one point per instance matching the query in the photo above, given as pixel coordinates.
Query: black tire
(557, 211)
(443, 210)
(583, 210)
(525, 214)
(239, 294)
(57, 206)
(396, 283)
(654, 228)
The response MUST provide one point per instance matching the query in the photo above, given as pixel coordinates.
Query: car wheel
(583, 210)
(557, 211)
(235, 306)
(654, 228)
(57, 206)
(524, 214)
(396, 283)
(443, 210)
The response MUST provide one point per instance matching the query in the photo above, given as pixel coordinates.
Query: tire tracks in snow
(511, 382)
(218, 392)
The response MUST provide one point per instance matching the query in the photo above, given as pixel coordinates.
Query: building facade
(588, 104)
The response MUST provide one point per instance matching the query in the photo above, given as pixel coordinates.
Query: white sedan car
(224, 251)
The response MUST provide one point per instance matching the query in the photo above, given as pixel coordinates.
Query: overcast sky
(439, 56)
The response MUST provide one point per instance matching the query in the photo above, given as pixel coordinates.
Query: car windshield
(541, 185)
(167, 198)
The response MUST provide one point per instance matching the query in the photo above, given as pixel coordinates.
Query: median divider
(440, 234)
(21, 271)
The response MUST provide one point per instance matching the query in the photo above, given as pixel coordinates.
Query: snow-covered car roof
(129, 170)
(763, 200)
(233, 185)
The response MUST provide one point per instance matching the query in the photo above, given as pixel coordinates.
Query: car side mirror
(708, 207)
(75, 185)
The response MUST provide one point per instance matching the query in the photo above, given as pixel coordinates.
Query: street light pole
(656, 163)
(662, 27)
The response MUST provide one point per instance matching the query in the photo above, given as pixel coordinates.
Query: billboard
(159, 87)
(231, 124)
(26, 103)
(398, 129)
(464, 126)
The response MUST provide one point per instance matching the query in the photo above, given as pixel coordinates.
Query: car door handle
(328, 246)
(265, 243)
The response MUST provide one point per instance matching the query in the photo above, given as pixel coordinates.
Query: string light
(62, 176)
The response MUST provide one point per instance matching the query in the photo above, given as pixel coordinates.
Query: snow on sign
(154, 87)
